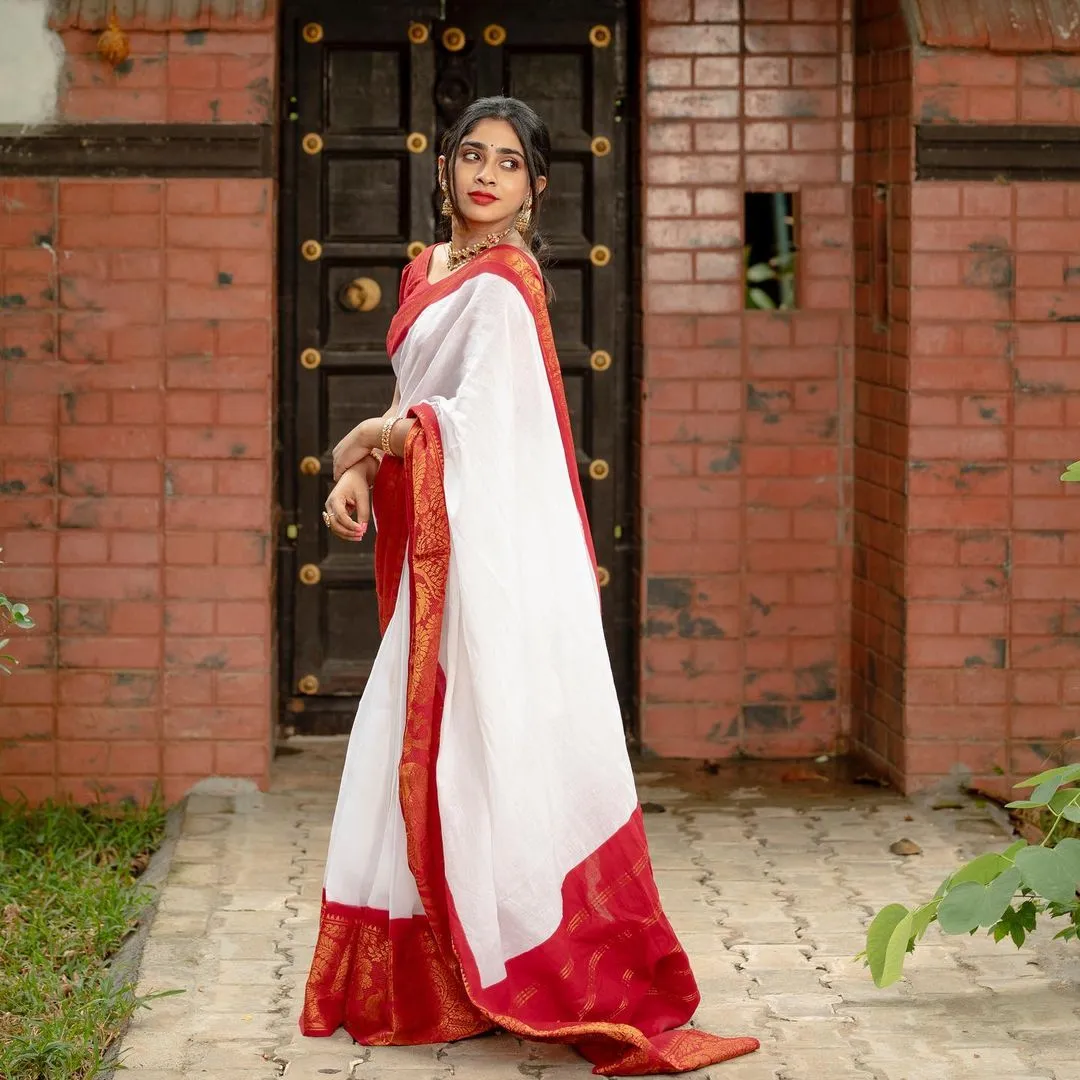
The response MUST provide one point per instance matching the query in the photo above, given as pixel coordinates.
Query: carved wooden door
(368, 90)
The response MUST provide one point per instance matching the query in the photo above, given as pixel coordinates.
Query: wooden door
(368, 90)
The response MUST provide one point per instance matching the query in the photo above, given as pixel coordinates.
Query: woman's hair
(535, 141)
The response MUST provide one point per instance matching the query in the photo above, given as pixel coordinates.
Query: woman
(488, 866)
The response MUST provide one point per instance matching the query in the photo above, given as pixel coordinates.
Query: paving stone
(751, 886)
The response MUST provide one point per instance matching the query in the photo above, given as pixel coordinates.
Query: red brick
(110, 652)
(716, 137)
(767, 71)
(669, 202)
(188, 759)
(713, 71)
(790, 104)
(230, 722)
(768, 136)
(766, 10)
(669, 138)
(189, 617)
(669, 72)
(29, 758)
(715, 11)
(242, 196)
(669, 266)
(136, 478)
(218, 231)
(192, 72)
(134, 759)
(710, 40)
(693, 104)
(208, 583)
(790, 38)
(250, 758)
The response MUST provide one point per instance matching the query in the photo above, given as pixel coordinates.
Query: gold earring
(524, 218)
(447, 206)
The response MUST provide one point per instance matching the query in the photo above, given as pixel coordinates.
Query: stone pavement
(769, 885)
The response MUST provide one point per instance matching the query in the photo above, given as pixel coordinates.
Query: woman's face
(491, 179)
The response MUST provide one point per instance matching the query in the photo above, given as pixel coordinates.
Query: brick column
(967, 583)
(745, 414)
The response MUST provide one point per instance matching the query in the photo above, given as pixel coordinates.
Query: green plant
(1002, 892)
(11, 615)
(69, 896)
(781, 269)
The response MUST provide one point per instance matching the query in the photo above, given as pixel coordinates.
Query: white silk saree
(488, 864)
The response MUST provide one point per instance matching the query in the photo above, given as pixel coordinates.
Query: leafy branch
(781, 269)
(16, 615)
(1002, 892)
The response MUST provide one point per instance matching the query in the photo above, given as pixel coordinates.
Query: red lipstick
(482, 198)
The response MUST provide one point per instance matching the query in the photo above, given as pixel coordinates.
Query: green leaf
(1067, 853)
(1063, 798)
(1028, 914)
(982, 870)
(1000, 931)
(878, 939)
(1010, 852)
(921, 918)
(960, 911)
(1046, 873)
(1065, 773)
(1046, 790)
(762, 300)
(898, 947)
(998, 896)
(1017, 933)
(1023, 804)
(20, 609)
(1071, 473)
(760, 272)
(1071, 813)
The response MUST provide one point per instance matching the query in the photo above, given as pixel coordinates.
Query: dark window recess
(997, 152)
(769, 253)
(879, 261)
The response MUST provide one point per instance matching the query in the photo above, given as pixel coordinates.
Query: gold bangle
(384, 437)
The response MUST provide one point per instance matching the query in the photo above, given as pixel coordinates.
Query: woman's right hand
(349, 504)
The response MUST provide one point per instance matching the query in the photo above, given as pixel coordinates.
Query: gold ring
(326, 519)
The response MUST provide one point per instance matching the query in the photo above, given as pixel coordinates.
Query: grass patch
(68, 898)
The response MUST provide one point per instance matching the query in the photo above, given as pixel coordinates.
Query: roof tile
(1004, 26)
(164, 14)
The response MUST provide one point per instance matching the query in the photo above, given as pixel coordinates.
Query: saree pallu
(488, 866)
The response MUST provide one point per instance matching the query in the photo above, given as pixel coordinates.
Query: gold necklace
(456, 257)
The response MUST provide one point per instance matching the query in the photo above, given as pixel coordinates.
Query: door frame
(629, 554)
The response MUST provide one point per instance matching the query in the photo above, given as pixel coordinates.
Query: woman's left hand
(356, 445)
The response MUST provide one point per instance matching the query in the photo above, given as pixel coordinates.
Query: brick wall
(136, 325)
(746, 415)
(993, 611)
(984, 583)
(172, 76)
(882, 207)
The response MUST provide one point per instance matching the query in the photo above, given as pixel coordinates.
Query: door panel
(367, 97)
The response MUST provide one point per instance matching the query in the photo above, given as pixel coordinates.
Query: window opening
(769, 252)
